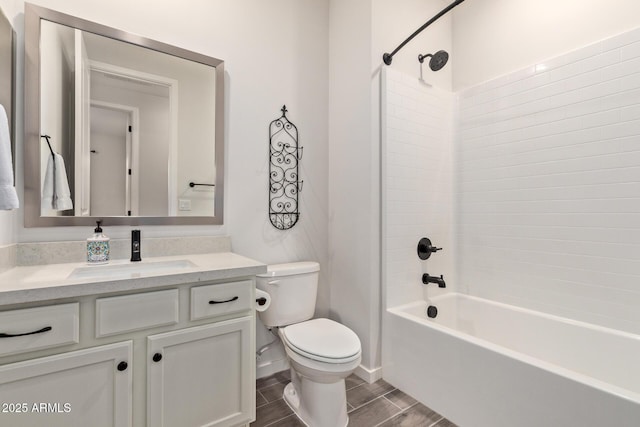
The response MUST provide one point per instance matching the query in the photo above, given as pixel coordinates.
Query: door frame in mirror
(32, 141)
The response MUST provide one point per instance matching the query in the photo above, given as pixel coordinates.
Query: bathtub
(485, 364)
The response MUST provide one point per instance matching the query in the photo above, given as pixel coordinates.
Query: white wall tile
(417, 185)
(548, 186)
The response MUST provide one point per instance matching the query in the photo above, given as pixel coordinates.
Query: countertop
(53, 281)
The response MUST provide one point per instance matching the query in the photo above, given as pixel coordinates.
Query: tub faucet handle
(425, 248)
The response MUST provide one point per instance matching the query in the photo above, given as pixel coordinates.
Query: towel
(55, 191)
(8, 195)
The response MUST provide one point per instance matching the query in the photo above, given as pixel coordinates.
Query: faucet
(135, 245)
(426, 279)
(425, 248)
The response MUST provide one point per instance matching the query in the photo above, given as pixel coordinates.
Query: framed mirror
(119, 127)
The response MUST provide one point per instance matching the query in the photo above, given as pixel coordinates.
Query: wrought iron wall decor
(284, 179)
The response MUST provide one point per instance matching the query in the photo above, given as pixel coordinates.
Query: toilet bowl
(321, 352)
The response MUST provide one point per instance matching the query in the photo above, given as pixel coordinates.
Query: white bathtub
(487, 364)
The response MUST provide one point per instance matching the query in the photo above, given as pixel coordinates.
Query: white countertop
(52, 281)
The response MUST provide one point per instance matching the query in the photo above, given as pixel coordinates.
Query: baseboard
(271, 367)
(369, 375)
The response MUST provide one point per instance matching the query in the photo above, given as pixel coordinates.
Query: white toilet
(321, 352)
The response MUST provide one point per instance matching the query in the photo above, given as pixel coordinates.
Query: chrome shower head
(437, 61)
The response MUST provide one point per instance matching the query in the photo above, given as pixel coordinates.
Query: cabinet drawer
(32, 329)
(224, 298)
(116, 315)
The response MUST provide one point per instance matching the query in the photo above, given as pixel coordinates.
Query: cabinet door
(89, 387)
(202, 376)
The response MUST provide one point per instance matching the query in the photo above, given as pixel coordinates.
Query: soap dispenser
(98, 247)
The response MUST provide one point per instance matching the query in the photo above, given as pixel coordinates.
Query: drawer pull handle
(39, 331)
(122, 366)
(157, 357)
(222, 302)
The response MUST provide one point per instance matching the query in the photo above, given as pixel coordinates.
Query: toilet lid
(323, 340)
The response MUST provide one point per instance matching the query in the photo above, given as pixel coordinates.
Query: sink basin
(130, 270)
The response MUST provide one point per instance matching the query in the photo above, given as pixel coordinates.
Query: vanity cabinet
(91, 387)
(201, 376)
(179, 355)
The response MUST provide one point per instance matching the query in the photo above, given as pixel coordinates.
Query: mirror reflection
(129, 128)
(130, 123)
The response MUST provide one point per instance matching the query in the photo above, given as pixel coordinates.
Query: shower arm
(387, 57)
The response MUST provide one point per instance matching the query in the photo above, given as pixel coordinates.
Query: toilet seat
(322, 340)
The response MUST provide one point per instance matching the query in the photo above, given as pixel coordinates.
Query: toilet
(321, 352)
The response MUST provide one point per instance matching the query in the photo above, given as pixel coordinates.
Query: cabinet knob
(157, 357)
(122, 366)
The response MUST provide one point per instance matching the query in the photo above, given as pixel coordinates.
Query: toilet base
(317, 404)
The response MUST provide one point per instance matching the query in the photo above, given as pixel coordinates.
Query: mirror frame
(32, 140)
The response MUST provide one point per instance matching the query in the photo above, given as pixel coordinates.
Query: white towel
(8, 195)
(55, 191)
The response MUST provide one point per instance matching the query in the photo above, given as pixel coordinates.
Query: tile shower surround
(548, 185)
(417, 187)
(368, 405)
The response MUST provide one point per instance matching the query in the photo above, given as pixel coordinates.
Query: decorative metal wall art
(284, 179)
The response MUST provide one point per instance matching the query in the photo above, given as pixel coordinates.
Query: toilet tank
(293, 288)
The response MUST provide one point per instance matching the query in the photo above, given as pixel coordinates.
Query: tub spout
(426, 279)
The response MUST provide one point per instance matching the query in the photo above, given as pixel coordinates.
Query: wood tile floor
(369, 405)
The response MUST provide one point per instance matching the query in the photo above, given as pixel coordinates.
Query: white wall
(548, 191)
(354, 258)
(275, 53)
(495, 37)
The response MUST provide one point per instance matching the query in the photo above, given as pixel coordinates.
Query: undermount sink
(130, 270)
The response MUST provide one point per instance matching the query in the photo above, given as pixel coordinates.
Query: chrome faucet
(426, 279)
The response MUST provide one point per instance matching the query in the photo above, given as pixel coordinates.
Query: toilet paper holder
(263, 300)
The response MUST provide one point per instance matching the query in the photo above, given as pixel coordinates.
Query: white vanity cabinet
(90, 387)
(202, 376)
(179, 355)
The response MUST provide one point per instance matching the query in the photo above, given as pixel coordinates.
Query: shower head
(437, 61)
